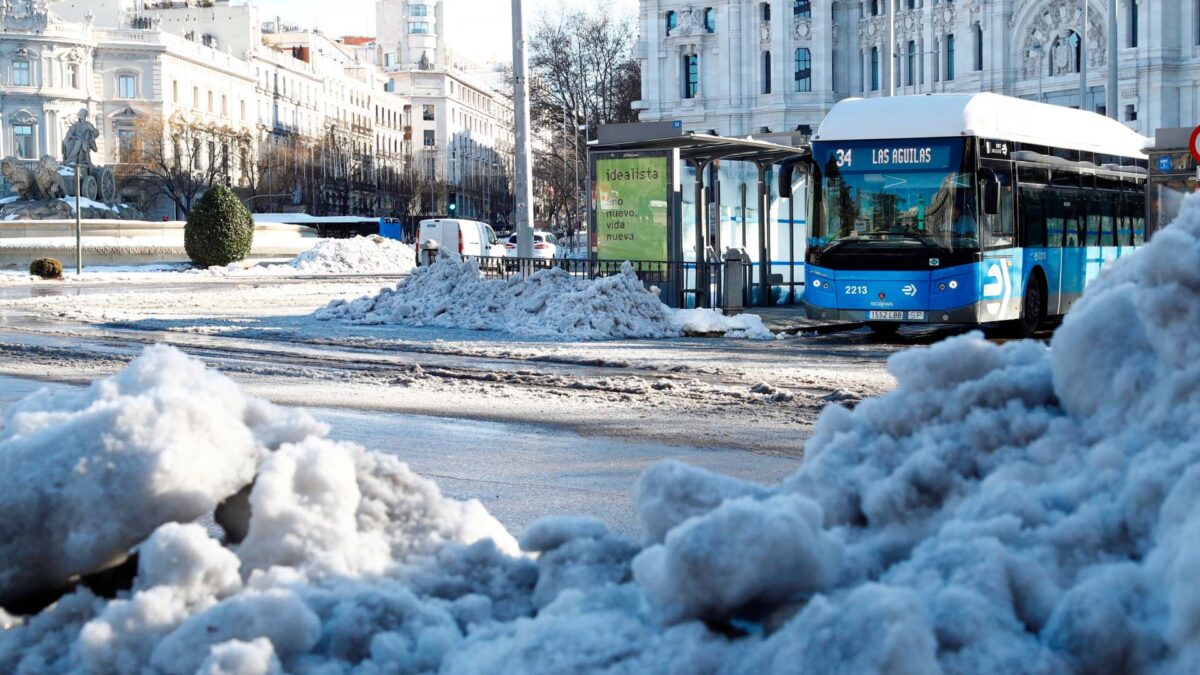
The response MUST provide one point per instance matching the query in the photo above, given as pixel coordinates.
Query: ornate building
(752, 66)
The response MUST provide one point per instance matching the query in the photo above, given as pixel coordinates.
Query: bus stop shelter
(624, 154)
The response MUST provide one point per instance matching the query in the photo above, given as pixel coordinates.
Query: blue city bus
(967, 209)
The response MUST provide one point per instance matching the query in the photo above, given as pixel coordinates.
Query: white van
(466, 237)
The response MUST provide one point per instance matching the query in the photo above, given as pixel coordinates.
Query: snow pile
(357, 255)
(1006, 509)
(550, 303)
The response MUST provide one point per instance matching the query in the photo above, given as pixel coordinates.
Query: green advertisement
(631, 213)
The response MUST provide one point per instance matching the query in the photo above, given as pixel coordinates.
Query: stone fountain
(47, 190)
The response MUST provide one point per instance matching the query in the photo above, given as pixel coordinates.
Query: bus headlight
(953, 285)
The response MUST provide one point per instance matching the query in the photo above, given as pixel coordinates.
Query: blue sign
(1164, 164)
(893, 155)
(677, 124)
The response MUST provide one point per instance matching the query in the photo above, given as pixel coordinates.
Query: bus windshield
(895, 194)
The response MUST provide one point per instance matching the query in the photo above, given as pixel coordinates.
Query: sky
(479, 28)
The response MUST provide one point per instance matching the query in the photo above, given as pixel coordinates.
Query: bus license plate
(885, 316)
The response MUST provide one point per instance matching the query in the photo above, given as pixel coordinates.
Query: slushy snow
(1006, 509)
(551, 303)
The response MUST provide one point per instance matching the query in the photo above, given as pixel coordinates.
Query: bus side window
(1033, 218)
(1108, 206)
(1095, 205)
(1058, 204)
(1125, 220)
(1139, 219)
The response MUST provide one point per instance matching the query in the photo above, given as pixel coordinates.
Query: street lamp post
(78, 223)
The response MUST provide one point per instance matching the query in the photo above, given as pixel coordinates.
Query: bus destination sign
(898, 155)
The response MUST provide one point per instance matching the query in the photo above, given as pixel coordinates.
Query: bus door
(1073, 274)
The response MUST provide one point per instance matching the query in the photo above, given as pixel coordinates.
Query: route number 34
(845, 158)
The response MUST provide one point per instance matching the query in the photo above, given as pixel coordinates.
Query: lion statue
(49, 180)
(20, 178)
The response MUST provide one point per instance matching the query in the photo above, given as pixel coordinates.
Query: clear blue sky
(479, 28)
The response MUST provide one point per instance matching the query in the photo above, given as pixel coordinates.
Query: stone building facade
(751, 66)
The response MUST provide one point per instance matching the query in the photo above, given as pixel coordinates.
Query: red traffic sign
(1192, 145)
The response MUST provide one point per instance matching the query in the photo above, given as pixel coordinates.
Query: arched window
(672, 21)
(803, 70)
(691, 75)
(874, 68)
(978, 31)
(950, 45)
(766, 72)
(910, 58)
(1132, 13)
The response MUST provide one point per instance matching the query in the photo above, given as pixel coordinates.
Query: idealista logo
(631, 174)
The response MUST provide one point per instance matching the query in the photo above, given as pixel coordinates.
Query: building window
(427, 113)
(196, 98)
(389, 59)
(910, 58)
(978, 47)
(874, 68)
(672, 22)
(1131, 113)
(430, 138)
(950, 57)
(73, 75)
(210, 101)
(418, 10)
(691, 75)
(874, 7)
(766, 72)
(911, 4)
(803, 70)
(125, 142)
(802, 8)
(24, 142)
(126, 86)
(175, 92)
(20, 73)
(418, 27)
(224, 105)
(1132, 40)
(765, 11)
(710, 19)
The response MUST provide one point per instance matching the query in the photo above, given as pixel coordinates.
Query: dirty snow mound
(550, 303)
(1007, 509)
(359, 255)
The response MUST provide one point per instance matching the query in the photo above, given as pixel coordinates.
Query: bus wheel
(883, 329)
(1032, 309)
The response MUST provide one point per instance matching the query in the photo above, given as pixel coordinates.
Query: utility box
(737, 262)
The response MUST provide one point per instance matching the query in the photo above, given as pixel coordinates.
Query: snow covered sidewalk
(551, 303)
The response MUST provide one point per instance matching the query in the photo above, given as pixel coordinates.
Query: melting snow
(1006, 509)
(550, 303)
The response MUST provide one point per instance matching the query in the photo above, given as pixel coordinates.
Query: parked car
(544, 245)
(466, 237)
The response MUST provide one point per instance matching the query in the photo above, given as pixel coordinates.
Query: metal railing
(680, 283)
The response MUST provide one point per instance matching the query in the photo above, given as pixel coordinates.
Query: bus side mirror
(786, 172)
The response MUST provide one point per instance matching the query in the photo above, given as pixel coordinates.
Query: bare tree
(178, 159)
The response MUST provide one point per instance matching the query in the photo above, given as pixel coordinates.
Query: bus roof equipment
(982, 115)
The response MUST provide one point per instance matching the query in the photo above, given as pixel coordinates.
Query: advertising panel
(632, 196)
